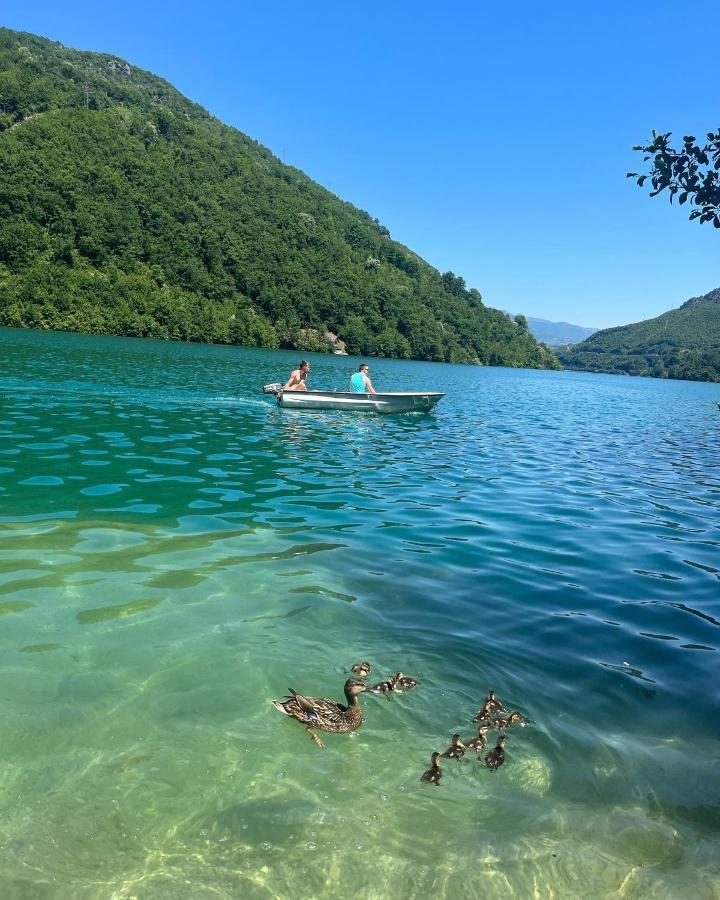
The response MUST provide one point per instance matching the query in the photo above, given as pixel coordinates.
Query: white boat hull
(395, 402)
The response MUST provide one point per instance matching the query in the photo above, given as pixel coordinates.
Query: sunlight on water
(175, 552)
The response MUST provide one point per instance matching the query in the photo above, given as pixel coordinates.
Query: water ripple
(175, 551)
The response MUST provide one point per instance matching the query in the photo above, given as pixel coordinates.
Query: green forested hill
(682, 343)
(127, 209)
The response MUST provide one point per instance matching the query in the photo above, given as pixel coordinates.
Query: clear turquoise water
(175, 551)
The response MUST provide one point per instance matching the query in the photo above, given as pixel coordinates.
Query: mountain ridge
(682, 343)
(558, 334)
(129, 209)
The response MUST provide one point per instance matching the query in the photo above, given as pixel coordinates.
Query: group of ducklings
(328, 715)
(397, 683)
(492, 715)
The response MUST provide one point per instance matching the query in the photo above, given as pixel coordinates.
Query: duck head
(353, 687)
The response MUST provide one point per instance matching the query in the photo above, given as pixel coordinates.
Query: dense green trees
(127, 209)
(683, 343)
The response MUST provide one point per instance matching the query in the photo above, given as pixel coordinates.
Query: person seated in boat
(360, 382)
(296, 382)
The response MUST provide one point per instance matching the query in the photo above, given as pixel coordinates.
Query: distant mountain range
(558, 334)
(682, 343)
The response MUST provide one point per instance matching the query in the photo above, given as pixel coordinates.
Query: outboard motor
(272, 388)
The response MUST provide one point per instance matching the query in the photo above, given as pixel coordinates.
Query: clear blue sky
(492, 139)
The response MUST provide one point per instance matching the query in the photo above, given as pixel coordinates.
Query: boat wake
(100, 392)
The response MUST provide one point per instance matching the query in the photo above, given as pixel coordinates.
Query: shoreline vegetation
(683, 344)
(127, 209)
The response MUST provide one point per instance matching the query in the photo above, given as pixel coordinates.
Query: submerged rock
(642, 842)
(532, 774)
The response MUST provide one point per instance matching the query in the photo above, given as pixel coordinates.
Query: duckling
(434, 773)
(495, 704)
(362, 669)
(456, 750)
(478, 743)
(490, 706)
(484, 714)
(405, 682)
(515, 718)
(383, 687)
(496, 757)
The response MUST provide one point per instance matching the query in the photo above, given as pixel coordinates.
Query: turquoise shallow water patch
(553, 536)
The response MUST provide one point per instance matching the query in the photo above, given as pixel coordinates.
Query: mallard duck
(434, 773)
(316, 712)
(515, 718)
(496, 757)
(480, 742)
(362, 669)
(405, 682)
(456, 750)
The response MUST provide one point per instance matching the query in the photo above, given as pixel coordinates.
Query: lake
(176, 551)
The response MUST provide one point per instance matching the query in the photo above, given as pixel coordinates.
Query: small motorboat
(386, 402)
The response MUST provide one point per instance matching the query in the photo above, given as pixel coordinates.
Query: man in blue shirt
(360, 382)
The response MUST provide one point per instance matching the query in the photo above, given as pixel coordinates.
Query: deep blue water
(175, 551)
